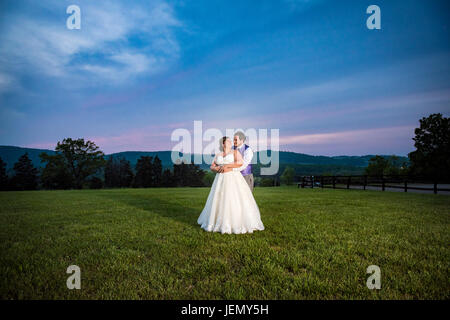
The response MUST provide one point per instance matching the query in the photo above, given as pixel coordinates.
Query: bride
(230, 207)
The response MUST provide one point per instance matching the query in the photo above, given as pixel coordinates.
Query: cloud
(7, 82)
(389, 140)
(148, 138)
(128, 64)
(343, 137)
(102, 48)
(12, 114)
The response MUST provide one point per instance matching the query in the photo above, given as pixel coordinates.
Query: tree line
(431, 159)
(80, 164)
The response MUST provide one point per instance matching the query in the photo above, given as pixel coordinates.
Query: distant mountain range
(300, 161)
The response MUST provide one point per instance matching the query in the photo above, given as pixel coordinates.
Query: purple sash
(248, 169)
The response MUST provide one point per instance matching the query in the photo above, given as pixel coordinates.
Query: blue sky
(136, 71)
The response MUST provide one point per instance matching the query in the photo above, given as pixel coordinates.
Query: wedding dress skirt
(230, 207)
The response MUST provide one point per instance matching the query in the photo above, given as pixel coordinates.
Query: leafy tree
(112, 173)
(376, 166)
(167, 178)
(379, 166)
(95, 183)
(208, 178)
(267, 182)
(432, 142)
(157, 172)
(55, 174)
(187, 175)
(180, 176)
(118, 173)
(394, 167)
(288, 176)
(144, 172)
(81, 158)
(125, 173)
(194, 175)
(26, 175)
(4, 180)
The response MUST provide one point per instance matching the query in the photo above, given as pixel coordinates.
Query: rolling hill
(303, 163)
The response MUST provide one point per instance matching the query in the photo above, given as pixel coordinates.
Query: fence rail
(363, 181)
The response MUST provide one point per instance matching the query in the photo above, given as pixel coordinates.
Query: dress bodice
(229, 158)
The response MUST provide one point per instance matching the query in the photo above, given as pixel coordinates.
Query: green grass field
(146, 244)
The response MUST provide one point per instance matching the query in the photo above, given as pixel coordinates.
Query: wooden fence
(363, 181)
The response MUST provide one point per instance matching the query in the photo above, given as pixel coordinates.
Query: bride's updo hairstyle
(222, 141)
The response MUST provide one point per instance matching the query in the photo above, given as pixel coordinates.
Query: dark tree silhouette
(188, 175)
(432, 141)
(380, 165)
(81, 158)
(125, 173)
(55, 174)
(26, 175)
(157, 172)
(195, 176)
(4, 180)
(180, 174)
(95, 183)
(111, 173)
(167, 179)
(144, 172)
(118, 173)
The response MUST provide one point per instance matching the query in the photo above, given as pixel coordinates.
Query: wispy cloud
(7, 82)
(344, 137)
(147, 138)
(102, 48)
(389, 140)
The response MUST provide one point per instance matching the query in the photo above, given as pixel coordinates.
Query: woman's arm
(214, 167)
(238, 161)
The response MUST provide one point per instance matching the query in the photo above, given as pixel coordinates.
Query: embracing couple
(230, 207)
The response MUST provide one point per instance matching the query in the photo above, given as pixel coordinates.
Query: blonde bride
(230, 207)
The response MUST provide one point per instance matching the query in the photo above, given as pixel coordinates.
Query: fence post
(406, 185)
(321, 181)
(303, 182)
(382, 183)
(365, 182)
(334, 182)
(348, 182)
(435, 188)
(312, 182)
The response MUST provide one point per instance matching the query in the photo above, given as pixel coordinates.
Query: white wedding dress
(230, 207)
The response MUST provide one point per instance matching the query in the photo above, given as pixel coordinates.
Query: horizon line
(314, 155)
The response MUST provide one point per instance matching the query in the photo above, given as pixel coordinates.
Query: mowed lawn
(146, 244)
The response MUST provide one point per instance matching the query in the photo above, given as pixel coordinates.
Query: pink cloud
(353, 142)
(361, 141)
